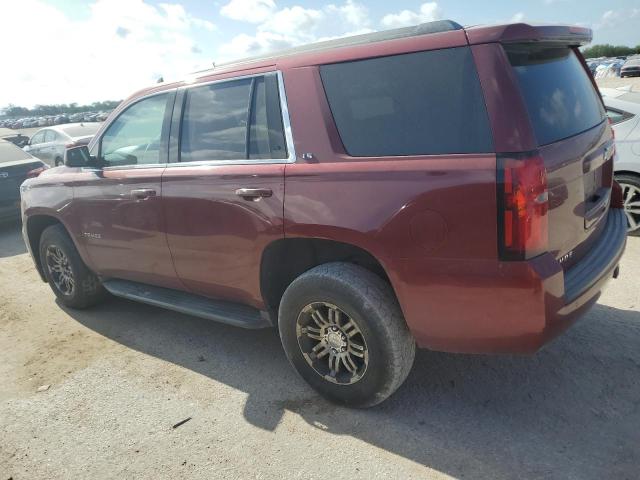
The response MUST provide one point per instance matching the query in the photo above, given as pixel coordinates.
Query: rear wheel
(58, 161)
(343, 331)
(69, 278)
(631, 196)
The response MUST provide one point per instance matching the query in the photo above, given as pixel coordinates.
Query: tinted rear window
(560, 97)
(233, 120)
(412, 104)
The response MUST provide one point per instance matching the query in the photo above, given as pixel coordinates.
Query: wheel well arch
(35, 225)
(286, 259)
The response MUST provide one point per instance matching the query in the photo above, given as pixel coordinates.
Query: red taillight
(617, 196)
(523, 202)
(36, 171)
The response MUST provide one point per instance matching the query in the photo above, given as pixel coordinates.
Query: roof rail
(438, 26)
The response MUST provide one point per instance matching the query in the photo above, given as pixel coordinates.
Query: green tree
(608, 50)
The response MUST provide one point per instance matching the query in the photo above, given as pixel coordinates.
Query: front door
(224, 197)
(119, 204)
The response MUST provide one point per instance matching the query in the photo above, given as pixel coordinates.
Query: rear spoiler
(573, 36)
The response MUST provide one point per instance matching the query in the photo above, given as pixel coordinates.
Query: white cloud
(296, 25)
(123, 45)
(355, 14)
(295, 20)
(428, 12)
(517, 17)
(252, 11)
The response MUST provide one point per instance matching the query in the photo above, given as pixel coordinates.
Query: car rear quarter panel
(429, 220)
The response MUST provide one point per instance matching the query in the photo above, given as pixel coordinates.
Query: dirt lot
(123, 374)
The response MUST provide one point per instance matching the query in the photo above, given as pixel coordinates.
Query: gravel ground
(121, 375)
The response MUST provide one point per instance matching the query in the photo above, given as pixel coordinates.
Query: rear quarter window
(422, 103)
(560, 97)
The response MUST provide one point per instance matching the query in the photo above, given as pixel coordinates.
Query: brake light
(36, 171)
(617, 196)
(523, 205)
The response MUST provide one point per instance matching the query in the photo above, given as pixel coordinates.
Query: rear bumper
(505, 307)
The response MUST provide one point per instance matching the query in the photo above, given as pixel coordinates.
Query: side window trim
(164, 135)
(178, 118)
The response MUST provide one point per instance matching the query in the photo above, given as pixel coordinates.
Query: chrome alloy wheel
(60, 270)
(631, 198)
(332, 343)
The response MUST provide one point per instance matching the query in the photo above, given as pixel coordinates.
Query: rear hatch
(574, 142)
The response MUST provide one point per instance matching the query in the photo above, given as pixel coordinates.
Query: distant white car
(623, 109)
(49, 143)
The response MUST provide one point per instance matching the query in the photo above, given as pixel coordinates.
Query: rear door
(35, 143)
(47, 148)
(574, 140)
(223, 197)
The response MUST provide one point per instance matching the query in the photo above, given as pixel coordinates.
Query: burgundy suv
(435, 185)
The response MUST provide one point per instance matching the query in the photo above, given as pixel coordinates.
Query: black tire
(86, 290)
(57, 162)
(371, 303)
(633, 181)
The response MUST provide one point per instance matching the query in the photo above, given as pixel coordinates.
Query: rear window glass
(560, 97)
(411, 104)
(233, 120)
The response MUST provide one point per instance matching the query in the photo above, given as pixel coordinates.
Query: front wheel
(73, 283)
(631, 196)
(343, 331)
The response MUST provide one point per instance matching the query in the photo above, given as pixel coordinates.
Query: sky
(63, 51)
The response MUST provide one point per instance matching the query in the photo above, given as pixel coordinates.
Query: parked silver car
(49, 143)
(623, 109)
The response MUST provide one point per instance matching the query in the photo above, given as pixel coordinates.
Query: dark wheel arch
(34, 226)
(285, 260)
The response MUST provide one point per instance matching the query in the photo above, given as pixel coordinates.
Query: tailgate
(574, 141)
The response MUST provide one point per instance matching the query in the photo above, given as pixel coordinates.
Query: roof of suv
(438, 26)
(438, 34)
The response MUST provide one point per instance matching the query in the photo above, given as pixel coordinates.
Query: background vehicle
(19, 140)
(16, 166)
(631, 67)
(435, 186)
(49, 144)
(623, 109)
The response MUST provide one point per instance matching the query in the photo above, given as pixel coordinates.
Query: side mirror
(78, 156)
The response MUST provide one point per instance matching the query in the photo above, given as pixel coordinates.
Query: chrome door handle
(142, 193)
(254, 194)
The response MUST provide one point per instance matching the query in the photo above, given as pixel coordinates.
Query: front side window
(234, 120)
(37, 138)
(422, 103)
(134, 137)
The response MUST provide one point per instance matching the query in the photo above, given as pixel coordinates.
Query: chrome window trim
(286, 127)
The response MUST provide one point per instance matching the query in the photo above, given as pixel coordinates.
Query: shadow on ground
(571, 411)
(11, 242)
